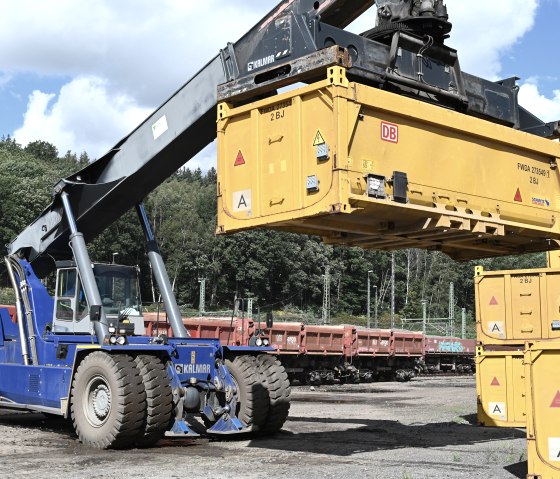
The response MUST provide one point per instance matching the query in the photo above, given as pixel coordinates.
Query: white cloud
(83, 117)
(483, 31)
(146, 48)
(125, 58)
(547, 109)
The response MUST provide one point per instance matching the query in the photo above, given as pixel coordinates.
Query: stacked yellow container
(518, 359)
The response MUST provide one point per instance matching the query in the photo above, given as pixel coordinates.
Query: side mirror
(269, 320)
(95, 313)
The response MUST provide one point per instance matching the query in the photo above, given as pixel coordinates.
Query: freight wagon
(445, 354)
(233, 332)
(387, 354)
(326, 354)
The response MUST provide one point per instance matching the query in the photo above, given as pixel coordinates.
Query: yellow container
(517, 306)
(360, 166)
(500, 388)
(542, 366)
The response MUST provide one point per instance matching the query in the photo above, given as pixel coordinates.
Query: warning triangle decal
(517, 196)
(319, 140)
(556, 400)
(493, 301)
(239, 160)
(495, 382)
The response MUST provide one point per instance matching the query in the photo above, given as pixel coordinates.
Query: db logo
(389, 132)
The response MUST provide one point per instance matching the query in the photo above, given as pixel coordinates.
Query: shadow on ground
(348, 436)
(335, 437)
(42, 422)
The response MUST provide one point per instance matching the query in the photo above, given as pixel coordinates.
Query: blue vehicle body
(45, 386)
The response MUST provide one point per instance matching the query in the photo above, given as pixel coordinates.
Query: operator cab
(120, 297)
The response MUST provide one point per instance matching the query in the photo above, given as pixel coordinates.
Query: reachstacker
(391, 145)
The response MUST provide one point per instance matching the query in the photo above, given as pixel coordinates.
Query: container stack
(518, 359)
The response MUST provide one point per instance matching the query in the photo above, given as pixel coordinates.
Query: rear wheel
(275, 379)
(159, 399)
(252, 406)
(108, 402)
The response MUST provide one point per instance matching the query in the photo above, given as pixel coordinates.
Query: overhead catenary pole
(326, 295)
(451, 309)
(424, 315)
(250, 308)
(202, 297)
(376, 322)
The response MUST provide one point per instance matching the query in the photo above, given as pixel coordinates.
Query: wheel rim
(237, 395)
(97, 401)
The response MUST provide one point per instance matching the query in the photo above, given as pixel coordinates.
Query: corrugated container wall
(542, 363)
(517, 306)
(500, 388)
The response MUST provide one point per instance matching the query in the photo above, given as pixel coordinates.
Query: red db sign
(389, 132)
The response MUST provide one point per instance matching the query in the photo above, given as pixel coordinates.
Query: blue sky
(83, 73)
(536, 54)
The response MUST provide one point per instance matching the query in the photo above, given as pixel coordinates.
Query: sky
(82, 74)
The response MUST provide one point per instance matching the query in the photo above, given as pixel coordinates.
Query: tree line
(280, 271)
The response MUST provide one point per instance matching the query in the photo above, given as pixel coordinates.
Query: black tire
(252, 406)
(159, 399)
(275, 379)
(107, 403)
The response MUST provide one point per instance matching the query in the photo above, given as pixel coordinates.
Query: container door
(545, 404)
(279, 179)
(491, 321)
(500, 386)
(491, 378)
(526, 306)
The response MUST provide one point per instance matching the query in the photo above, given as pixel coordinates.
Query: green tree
(42, 150)
(26, 186)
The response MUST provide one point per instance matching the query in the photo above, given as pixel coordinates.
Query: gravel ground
(422, 429)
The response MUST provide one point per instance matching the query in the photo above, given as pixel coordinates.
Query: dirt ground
(422, 429)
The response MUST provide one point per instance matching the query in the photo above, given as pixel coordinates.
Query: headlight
(266, 342)
(259, 342)
(113, 340)
(121, 340)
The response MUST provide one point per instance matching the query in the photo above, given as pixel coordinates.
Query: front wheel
(252, 405)
(108, 402)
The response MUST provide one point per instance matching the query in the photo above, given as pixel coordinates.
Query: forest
(280, 271)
